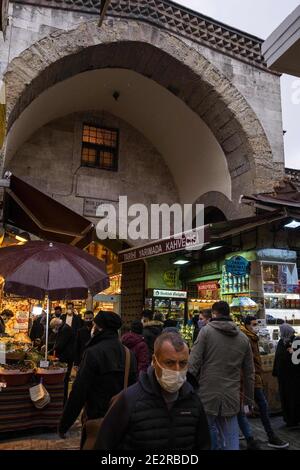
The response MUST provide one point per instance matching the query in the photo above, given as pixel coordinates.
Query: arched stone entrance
(168, 61)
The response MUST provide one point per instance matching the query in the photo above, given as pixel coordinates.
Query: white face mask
(171, 380)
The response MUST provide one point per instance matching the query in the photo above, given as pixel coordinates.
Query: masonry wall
(51, 161)
(262, 91)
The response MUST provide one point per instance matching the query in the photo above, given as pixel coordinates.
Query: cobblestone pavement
(50, 441)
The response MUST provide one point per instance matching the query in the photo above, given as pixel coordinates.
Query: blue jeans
(261, 401)
(244, 425)
(224, 433)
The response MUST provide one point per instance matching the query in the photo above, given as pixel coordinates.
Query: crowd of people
(173, 396)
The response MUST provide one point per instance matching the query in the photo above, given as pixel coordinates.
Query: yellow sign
(169, 278)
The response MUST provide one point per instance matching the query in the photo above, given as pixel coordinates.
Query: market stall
(43, 271)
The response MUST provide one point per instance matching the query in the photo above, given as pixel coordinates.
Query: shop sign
(21, 321)
(237, 266)
(173, 294)
(210, 268)
(185, 241)
(91, 205)
(208, 286)
(169, 278)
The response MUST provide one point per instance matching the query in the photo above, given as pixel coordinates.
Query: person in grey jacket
(219, 358)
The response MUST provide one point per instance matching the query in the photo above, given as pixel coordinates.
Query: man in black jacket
(162, 411)
(62, 341)
(72, 319)
(101, 374)
(83, 337)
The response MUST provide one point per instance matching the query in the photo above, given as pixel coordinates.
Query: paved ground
(46, 441)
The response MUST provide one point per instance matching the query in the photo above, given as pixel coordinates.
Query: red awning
(33, 211)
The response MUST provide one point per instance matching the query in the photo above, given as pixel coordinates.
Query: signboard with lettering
(212, 285)
(91, 205)
(173, 294)
(185, 241)
(169, 278)
(237, 266)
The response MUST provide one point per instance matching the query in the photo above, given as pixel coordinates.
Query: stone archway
(160, 56)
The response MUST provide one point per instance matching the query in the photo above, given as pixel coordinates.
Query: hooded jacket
(140, 420)
(151, 331)
(219, 355)
(136, 343)
(100, 377)
(254, 339)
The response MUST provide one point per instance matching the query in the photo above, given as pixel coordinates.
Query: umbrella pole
(47, 327)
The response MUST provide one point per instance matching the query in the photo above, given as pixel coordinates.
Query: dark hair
(248, 319)
(147, 314)
(89, 312)
(206, 314)
(58, 308)
(137, 327)
(171, 337)
(221, 309)
(158, 317)
(7, 313)
(70, 303)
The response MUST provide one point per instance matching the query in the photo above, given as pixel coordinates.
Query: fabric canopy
(31, 210)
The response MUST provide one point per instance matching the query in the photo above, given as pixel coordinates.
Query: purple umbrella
(54, 270)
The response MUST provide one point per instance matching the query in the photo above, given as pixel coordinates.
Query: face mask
(171, 381)
(201, 323)
(57, 315)
(88, 323)
(69, 311)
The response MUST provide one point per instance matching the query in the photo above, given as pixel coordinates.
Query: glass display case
(281, 292)
(171, 304)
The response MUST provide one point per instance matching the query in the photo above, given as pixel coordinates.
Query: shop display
(203, 295)
(170, 304)
(281, 293)
(187, 333)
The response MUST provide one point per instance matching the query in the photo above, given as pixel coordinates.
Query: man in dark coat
(72, 319)
(62, 341)
(152, 329)
(288, 375)
(83, 337)
(38, 328)
(162, 411)
(251, 330)
(135, 341)
(101, 374)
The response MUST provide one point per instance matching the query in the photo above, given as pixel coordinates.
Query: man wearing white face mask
(162, 411)
(251, 330)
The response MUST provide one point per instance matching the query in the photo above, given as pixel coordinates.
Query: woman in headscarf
(288, 376)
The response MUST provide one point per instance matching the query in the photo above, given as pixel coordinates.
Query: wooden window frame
(101, 148)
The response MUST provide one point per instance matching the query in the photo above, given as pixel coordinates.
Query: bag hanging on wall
(39, 396)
